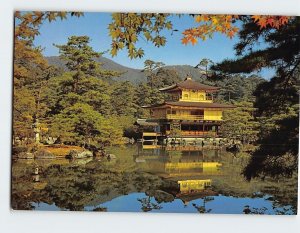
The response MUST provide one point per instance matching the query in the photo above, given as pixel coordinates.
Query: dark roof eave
(191, 85)
(198, 104)
(192, 104)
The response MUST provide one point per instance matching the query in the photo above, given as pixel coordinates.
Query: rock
(127, 140)
(75, 154)
(137, 160)
(25, 155)
(85, 154)
(44, 154)
(111, 156)
(49, 140)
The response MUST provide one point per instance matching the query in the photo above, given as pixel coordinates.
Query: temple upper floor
(190, 91)
(191, 96)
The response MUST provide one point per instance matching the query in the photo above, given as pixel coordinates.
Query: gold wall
(195, 96)
(215, 115)
(185, 114)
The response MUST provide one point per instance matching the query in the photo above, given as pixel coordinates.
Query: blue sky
(95, 26)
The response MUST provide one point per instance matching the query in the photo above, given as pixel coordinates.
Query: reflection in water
(202, 208)
(158, 179)
(148, 205)
(191, 186)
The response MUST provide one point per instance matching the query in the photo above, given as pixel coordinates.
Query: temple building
(189, 112)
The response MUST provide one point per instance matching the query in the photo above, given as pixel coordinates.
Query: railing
(194, 133)
(197, 133)
(184, 117)
(152, 134)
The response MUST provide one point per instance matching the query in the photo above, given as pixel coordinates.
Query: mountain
(184, 70)
(130, 74)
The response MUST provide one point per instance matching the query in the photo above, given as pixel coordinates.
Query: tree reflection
(202, 209)
(72, 187)
(100, 209)
(148, 205)
(281, 157)
(249, 210)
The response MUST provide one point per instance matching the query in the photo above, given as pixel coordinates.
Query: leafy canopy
(126, 29)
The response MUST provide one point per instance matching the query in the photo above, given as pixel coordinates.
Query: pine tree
(277, 101)
(239, 123)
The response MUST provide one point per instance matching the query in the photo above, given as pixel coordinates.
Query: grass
(60, 150)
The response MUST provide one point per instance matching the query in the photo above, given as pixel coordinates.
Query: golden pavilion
(189, 112)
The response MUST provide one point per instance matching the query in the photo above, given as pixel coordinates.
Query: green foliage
(146, 96)
(278, 154)
(204, 65)
(122, 99)
(150, 68)
(282, 49)
(175, 132)
(79, 56)
(81, 105)
(148, 93)
(31, 71)
(24, 107)
(126, 28)
(278, 95)
(165, 77)
(277, 99)
(80, 123)
(237, 87)
(240, 124)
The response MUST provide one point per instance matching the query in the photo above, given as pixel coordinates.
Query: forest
(88, 106)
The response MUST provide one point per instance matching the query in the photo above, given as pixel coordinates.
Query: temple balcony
(194, 117)
(198, 133)
(195, 133)
(184, 117)
(208, 99)
(152, 134)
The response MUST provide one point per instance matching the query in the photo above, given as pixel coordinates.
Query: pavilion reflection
(180, 162)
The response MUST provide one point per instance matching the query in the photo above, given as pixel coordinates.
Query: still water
(170, 180)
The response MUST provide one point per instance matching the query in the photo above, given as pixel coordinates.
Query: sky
(95, 25)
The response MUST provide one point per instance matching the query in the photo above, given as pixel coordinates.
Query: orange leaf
(194, 40)
(284, 20)
(184, 41)
(256, 18)
(231, 34)
(198, 18)
(262, 23)
(270, 21)
(205, 18)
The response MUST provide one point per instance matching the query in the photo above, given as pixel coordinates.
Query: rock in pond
(44, 154)
(75, 154)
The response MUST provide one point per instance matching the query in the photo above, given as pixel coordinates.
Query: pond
(178, 179)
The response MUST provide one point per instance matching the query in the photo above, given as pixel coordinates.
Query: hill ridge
(130, 74)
